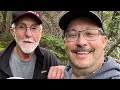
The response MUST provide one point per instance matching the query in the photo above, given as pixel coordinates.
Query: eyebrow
(25, 24)
(83, 29)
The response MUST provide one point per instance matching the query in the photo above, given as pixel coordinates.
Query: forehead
(82, 23)
(83, 20)
(28, 18)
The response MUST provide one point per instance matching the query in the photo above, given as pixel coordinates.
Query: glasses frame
(100, 32)
(25, 28)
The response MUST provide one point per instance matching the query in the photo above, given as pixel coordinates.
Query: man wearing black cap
(84, 42)
(23, 58)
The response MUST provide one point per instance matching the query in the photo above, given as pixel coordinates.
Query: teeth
(83, 53)
(28, 41)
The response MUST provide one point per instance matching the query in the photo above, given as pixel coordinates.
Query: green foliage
(3, 45)
(6, 37)
(54, 44)
(107, 20)
(116, 53)
(59, 55)
(111, 27)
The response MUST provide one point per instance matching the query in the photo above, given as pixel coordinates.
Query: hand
(56, 72)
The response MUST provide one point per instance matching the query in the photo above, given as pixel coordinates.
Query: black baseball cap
(70, 15)
(18, 14)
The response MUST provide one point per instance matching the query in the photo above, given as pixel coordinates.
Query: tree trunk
(4, 14)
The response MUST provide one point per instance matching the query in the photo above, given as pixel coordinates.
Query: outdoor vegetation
(52, 38)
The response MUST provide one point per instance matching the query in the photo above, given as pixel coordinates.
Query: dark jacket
(45, 59)
(109, 70)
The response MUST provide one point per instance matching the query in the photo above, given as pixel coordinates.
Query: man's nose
(81, 39)
(28, 32)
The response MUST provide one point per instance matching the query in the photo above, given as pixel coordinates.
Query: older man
(23, 58)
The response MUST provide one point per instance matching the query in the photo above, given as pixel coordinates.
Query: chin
(81, 64)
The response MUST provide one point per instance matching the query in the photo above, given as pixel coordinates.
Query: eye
(21, 26)
(34, 27)
(90, 33)
(71, 34)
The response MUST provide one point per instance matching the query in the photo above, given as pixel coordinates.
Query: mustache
(82, 49)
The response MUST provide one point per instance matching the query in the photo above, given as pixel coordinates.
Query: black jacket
(45, 59)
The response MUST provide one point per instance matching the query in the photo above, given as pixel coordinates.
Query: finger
(62, 75)
(59, 72)
(49, 73)
(52, 73)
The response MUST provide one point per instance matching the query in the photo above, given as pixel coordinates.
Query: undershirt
(23, 69)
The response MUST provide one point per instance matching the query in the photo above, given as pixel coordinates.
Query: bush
(3, 45)
(55, 45)
(6, 37)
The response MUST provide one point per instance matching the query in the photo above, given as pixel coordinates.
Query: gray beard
(27, 48)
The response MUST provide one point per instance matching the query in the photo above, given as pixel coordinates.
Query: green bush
(6, 37)
(55, 45)
(3, 45)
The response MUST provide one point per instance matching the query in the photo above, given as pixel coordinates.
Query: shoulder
(49, 56)
(111, 59)
(1, 52)
(46, 51)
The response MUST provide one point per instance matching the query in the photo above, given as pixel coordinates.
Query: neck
(23, 57)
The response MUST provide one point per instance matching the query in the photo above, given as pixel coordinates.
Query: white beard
(27, 47)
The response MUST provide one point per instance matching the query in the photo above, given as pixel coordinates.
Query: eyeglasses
(23, 28)
(88, 34)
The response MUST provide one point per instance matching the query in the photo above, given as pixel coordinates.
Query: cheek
(102, 43)
(38, 37)
(94, 45)
(66, 45)
(69, 46)
(97, 45)
(18, 36)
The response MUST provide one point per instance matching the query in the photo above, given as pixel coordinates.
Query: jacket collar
(4, 58)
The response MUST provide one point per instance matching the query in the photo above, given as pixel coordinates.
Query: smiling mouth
(82, 53)
(28, 42)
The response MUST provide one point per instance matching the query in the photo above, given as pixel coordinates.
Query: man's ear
(104, 41)
(12, 31)
(42, 32)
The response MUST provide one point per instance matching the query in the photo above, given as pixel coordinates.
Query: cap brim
(66, 18)
(27, 13)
